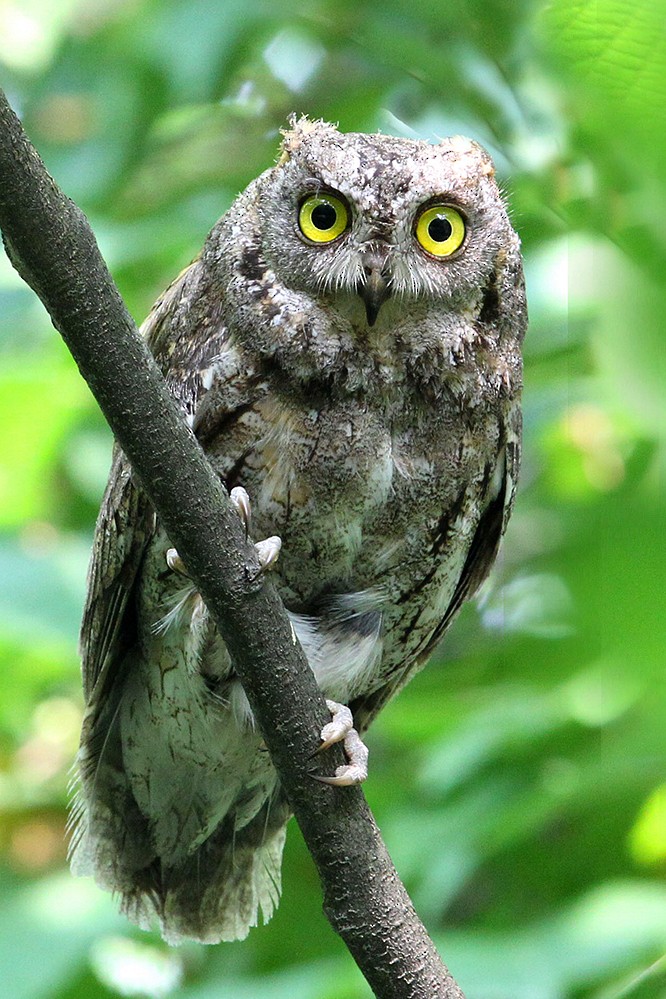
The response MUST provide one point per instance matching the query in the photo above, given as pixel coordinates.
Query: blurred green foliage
(520, 781)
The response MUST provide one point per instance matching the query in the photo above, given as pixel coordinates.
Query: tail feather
(217, 894)
(247, 883)
(207, 888)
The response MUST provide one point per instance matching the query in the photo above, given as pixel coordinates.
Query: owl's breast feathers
(390, 509)
(380, 486)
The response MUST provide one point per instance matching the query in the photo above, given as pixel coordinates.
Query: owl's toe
(267, 552)
(340, 724)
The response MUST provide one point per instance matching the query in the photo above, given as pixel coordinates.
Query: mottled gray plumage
(365, 392)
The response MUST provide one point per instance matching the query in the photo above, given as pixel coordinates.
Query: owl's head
(382, 217)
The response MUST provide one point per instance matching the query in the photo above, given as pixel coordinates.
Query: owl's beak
(375, 289)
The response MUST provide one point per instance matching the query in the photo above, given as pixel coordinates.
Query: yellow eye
(440, 230)
(323, 217)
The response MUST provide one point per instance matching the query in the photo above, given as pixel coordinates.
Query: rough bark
(50, 243)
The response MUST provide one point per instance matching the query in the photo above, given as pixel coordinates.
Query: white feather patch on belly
(343, 645)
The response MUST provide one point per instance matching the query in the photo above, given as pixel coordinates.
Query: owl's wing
(126, 520)
(124, 525)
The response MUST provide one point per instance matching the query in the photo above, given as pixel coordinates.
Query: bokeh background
(520, 781)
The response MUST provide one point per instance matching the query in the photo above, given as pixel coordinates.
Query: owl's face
(382, 217)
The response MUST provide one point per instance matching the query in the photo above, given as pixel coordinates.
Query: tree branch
(50, 243)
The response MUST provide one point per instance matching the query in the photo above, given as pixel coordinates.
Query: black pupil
(440, 229)
(324, 216)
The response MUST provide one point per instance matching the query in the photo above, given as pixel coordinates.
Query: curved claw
(240, 499)
(175, 562)
(345, 776)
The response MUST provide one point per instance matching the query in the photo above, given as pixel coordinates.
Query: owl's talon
(267, 552)
(341, 729)
(175, 562)
(240, 499)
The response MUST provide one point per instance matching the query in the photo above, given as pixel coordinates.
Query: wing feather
(124, 525)
(126, 520)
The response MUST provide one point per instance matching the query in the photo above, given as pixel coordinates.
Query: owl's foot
(267, 550)
(341, 729)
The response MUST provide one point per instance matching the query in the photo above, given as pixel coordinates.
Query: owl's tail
(210, 905)
(215, 894)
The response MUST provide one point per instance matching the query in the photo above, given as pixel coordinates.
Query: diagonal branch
(50, 243)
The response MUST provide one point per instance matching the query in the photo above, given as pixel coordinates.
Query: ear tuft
(300, 128)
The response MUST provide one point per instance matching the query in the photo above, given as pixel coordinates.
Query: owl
(347, 350)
